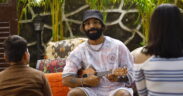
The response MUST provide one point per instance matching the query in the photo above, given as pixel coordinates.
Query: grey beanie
(92, 14)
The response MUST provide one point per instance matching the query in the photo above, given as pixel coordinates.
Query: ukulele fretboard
(103, 73)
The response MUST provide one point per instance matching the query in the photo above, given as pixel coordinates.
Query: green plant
(102, 5)
(56, 7)
(3, 1)
(146, 8)
(53, 6)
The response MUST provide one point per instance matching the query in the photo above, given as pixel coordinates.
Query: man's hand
(91, 81)
(112, 77)
(120, 72)
(116, 74)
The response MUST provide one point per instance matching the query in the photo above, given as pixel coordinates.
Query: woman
(162, 74)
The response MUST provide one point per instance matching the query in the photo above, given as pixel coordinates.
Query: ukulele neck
(100, 74)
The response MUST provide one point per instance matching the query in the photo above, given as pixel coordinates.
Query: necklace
(90, 47)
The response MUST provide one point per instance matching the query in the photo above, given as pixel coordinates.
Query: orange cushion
(55, 81)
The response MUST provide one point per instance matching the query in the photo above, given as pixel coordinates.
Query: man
(19, 79)
(100, 54)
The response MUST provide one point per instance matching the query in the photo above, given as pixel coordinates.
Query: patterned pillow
(56, 52)
(51, 66)
(61, 49)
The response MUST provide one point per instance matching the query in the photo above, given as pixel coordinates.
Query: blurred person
(161, 74)
(19, 79)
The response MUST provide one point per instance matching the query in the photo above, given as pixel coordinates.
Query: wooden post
(8, 26)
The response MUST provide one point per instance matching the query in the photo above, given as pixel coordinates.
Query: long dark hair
(165, 34)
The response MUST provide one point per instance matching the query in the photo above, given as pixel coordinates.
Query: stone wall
(121, 24)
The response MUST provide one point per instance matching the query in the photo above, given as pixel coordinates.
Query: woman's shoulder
(138, 56)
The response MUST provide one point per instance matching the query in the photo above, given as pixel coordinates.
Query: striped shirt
(160, 77)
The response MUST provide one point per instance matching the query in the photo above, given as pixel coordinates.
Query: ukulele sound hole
(85, 75)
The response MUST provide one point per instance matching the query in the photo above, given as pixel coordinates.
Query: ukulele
(83, 73)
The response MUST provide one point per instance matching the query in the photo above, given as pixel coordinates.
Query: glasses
(96, 22)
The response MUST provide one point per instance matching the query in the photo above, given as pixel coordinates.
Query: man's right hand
(91, 81)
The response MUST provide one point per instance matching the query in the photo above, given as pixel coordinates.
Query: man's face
(93, 28)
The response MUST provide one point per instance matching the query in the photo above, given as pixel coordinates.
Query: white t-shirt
(112, 55)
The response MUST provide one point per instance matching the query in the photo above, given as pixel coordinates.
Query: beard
(94, 36)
